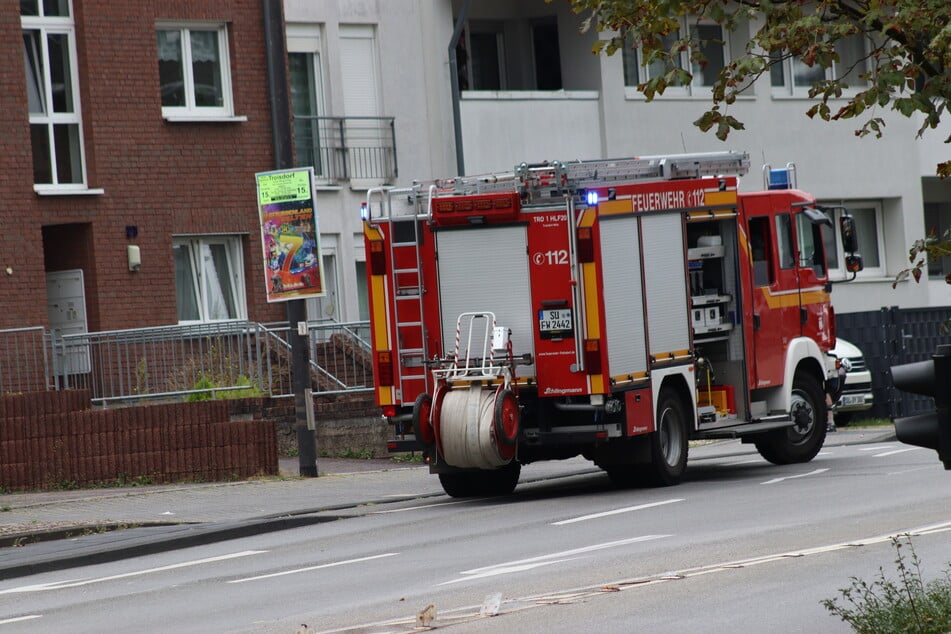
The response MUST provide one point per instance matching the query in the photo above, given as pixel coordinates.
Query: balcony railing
(347, 148)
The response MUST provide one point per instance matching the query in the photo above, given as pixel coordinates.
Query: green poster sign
(282, 187)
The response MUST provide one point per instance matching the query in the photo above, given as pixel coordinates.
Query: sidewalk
(55, 530)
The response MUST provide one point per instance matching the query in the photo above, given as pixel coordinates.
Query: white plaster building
(530, 89)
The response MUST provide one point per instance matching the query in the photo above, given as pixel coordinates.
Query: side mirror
(853, 263)
(850, 242)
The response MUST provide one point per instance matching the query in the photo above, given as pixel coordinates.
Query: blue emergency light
(779, 178)
(364, 212)
(591, 197)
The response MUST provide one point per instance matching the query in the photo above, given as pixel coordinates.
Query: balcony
(347, 149)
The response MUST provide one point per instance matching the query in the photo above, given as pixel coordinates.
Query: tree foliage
(907, 67)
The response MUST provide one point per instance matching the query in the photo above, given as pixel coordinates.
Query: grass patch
(907, 604)
(870, 422)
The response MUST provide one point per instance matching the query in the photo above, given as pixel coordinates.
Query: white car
(857, 395)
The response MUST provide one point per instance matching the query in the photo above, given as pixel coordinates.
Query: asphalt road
(740, 546)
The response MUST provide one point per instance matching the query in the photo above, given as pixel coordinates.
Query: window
(52, 85)
(209, 278)
(784, 243)
(546, 54)
(760, 251)
(810, 240)
(938, 223)
(711, 45)
(479, 57)
(193, 71)
(792, 76)
(868, 223)
(307, 96)
(363, 304)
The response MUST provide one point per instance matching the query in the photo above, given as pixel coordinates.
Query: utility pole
(278, 83)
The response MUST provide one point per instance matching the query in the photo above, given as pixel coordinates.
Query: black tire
(802, 441)
(459, 484)
(501, 481)
(483, 482)
(668, 442)
(625, 476)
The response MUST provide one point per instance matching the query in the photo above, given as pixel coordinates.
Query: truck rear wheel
(669, 441)
(483, 482)
(802, 441)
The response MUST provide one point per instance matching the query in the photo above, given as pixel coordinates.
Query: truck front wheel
(803, 440)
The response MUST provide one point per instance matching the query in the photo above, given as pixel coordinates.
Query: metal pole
(278, 89)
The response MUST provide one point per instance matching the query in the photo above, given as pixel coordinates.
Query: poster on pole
(293, 268)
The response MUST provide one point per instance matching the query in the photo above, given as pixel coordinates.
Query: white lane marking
(895, 451)
(615, 512)
(801, 475)
(309, 568)
(545, 560)
(904, 471)
(876, 447)
(416, 508)
(750, 461)
(18, 619)
(57, 585)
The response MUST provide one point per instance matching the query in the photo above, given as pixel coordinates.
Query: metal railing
(24, 360)
(347, 148)
(190, 362)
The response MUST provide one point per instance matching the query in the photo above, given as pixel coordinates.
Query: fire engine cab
(614, 309)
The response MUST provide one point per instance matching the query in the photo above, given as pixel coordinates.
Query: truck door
(775, 295)
(815, 311)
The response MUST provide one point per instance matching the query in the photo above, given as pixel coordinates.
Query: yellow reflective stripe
(792, 299)
(719, 198)
(615, 207)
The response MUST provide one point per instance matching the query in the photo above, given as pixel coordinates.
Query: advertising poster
(293, 268)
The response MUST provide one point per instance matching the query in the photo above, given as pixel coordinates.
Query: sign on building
(292, 263)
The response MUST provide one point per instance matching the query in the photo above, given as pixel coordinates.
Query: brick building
(134, 123)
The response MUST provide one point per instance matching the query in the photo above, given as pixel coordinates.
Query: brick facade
(165, 178)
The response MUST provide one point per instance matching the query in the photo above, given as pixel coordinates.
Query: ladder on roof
(553, 178)
(572, 175)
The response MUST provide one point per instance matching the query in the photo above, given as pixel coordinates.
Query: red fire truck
(614, 309)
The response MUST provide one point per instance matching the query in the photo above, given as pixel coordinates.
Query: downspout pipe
(454, 83)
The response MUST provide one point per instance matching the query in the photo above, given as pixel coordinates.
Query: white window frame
(307, 39)
(838, 271)
(59, 25)
(234, 252)
(790, 89)
(191, 112)
(694, 89)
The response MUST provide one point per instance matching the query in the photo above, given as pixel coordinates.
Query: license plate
(848, 400)
(554, 322)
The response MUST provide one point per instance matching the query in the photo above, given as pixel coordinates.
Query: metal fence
(893, 336)
(347, 148)
(200, 361)
(24, 360)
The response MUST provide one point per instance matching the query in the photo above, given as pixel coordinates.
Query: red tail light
(592, 356)
(585, 245)
(384, 366)
(377, 258)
